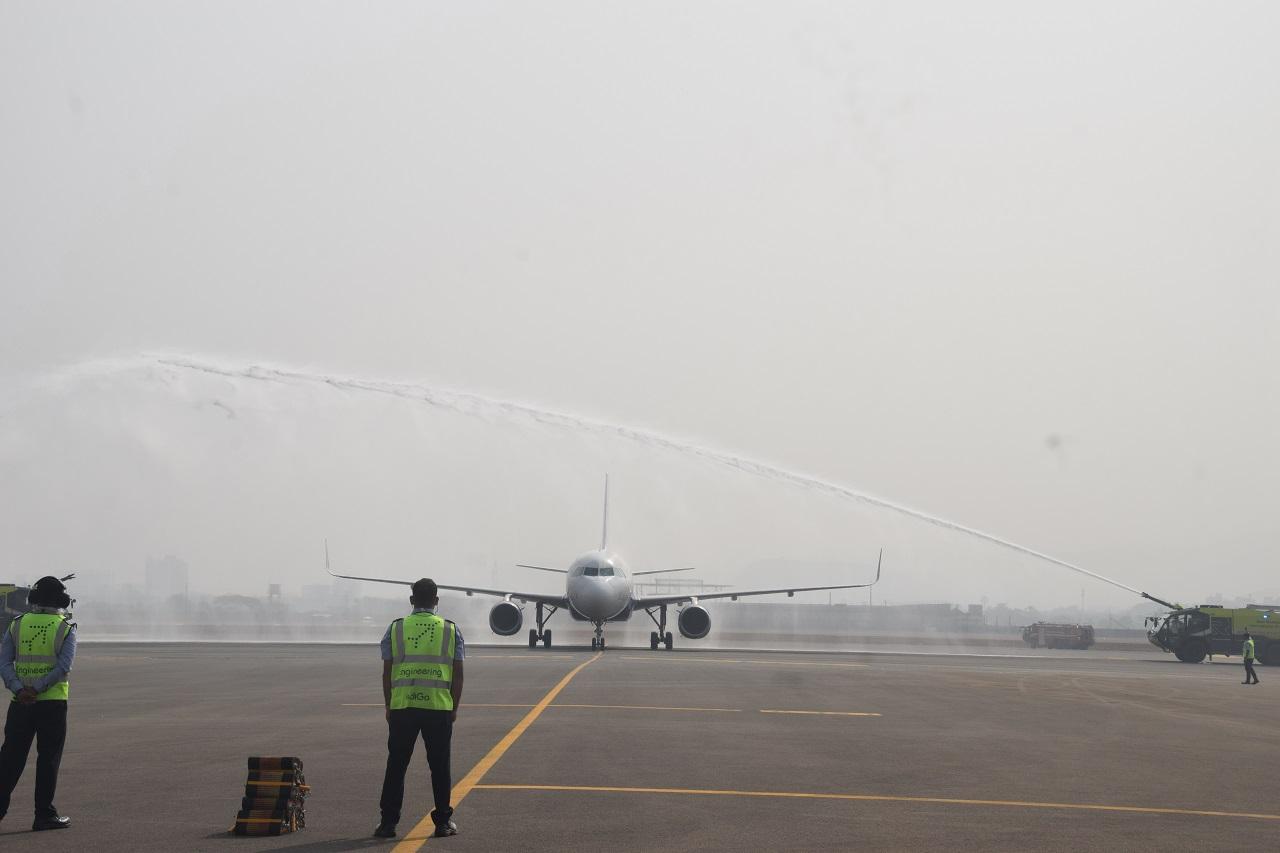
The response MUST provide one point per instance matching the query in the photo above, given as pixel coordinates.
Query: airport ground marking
(682, 659)
(465, 705)
(640, 708)
(824, 713)
(565, 705)
(648, 708)
(522, 657)
(883, 798)
(419, 834)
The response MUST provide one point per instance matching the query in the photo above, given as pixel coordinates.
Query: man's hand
(453, 716)
(388, 715)
(26, 696)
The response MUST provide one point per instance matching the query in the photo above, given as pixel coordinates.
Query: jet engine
(506, 618)
(694, 622)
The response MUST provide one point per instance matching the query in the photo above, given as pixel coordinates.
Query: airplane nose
(597, 601)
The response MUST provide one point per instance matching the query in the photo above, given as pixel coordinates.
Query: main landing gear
(539, 635)
(597, 642)
(661, 636)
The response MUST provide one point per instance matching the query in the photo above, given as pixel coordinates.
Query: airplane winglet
(331, 572)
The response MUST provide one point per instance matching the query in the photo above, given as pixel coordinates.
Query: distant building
(167, 577)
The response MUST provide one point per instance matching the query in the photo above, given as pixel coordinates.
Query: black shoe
(55, 822)
(385, 830)
(444, 830)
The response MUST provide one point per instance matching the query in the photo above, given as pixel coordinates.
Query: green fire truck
(1193, 633)
(13, 602)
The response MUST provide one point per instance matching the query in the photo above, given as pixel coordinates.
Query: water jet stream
(476, 405)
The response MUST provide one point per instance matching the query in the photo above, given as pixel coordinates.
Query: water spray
(477, 405)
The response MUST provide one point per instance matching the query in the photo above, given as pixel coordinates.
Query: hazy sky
(1014, 265)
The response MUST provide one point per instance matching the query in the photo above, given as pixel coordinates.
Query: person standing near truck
(1250, 677)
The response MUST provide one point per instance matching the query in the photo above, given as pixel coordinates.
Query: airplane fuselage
(599, 587)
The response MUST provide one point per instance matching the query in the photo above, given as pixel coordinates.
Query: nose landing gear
(597, 642)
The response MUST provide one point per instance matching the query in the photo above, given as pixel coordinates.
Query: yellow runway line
(825, 713)
(883, 798)
(648, 708)
(533, 655)
(419, 834)
(465, 705)
(683, 659)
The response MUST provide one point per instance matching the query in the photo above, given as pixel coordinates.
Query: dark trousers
(46, 723)
(436, 728)
(1249, 674)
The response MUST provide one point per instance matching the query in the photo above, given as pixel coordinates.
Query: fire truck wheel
(1194, 652)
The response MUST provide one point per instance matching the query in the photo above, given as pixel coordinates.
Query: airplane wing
(655, 600)
(533, 597)
(542, 568)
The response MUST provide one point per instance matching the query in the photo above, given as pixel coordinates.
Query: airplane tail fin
(604, 532)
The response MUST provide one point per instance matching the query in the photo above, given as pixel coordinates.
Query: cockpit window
(590, 571)
(606, 571)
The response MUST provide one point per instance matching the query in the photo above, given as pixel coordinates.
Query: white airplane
(599, 589)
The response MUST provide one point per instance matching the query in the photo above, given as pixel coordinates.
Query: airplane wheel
(593, 644)
(669, 641)
(546, 639)
(533, 638)
(602, 644)
(653, 640)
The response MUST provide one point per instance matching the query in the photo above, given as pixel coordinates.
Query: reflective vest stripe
(421, 682)
(397, 642)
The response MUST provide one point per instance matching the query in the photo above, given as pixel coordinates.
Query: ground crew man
(421, 688)
(1250, 677)
(36, 654)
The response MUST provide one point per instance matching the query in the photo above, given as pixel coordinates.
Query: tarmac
(631, 749)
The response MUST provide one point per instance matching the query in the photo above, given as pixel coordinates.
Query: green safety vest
(422, 648)
(37, 639)
(1248, 649)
